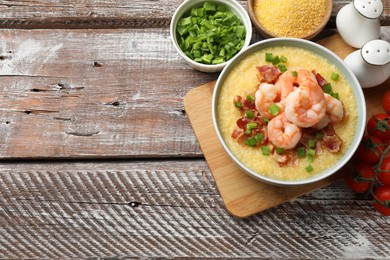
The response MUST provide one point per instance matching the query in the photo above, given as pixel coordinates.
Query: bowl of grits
(288, 111)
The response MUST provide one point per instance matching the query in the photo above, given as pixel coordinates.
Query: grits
(242, 80)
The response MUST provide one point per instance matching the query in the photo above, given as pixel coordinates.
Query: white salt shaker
(358, 22)
(370, 64)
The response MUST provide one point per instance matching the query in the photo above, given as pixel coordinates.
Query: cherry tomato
(384, 172)
(370, 150)
(382, 200)
(359, 178)
(379, 126)
(386, 102)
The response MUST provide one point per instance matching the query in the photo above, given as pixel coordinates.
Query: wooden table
(99, 160)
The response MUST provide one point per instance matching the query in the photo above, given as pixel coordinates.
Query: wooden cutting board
(243, 195)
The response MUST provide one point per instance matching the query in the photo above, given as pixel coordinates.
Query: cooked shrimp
(292, 79)
(265, 96)
(334, 112)
(306, 105)
(334, 109)
(282, 133)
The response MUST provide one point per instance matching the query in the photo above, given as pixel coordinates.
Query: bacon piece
(288, 158)
(305, 139)
(236, 133)
(332, 143)
(242, 122)
(307, 134)
(237, 99)
(318, 148)
(268, 74)
(293, 159)
(241, 138)
(246, 104)
(331, 140)
(281, 159)
(321, 81)
(329, 130)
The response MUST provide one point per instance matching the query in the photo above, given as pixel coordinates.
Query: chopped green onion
(221, 8)
(238, 104)
(301, 152)
(268, 57)
(209, 6)
(294, 73)
(253, 141)
(310, 158)
(197, 54)
(266, 120)
(185, 21)
(259, 137)
(311, 152)
(218, 60)
(250, 114)
(265, 150)
(275, 60)
(312, 143)
(249, 127)
(319, 135)
(274, 109)
(334, 76)
(250, 141)
(207, 58)
(222, 52)
(250, 98)
(240, 30)
(282, 67)
(201, 12)
(328, 88)
(182, 30)
(283, 59)
(279, 150)
(309, 168)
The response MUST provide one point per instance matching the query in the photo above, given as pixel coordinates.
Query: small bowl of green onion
(208, 34)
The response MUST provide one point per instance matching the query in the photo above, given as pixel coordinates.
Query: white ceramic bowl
(186, 6)
(332, 58)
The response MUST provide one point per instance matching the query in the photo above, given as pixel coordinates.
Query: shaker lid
(371, 9)
(376, 52)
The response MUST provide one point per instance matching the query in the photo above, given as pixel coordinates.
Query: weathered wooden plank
(170, 209)
(101, 92)
(107, 14)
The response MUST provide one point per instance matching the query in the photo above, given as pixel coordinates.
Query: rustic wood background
(98, 159)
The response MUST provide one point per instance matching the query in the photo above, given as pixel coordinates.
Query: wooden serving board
(243, 195)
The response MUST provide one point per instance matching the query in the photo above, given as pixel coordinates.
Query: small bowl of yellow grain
(290, 18)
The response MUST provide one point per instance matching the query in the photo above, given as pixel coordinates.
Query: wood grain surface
(165, 209)
(84, 93)
(100, 78)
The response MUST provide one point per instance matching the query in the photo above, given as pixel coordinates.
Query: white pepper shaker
(371, 64)
(358, 22)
